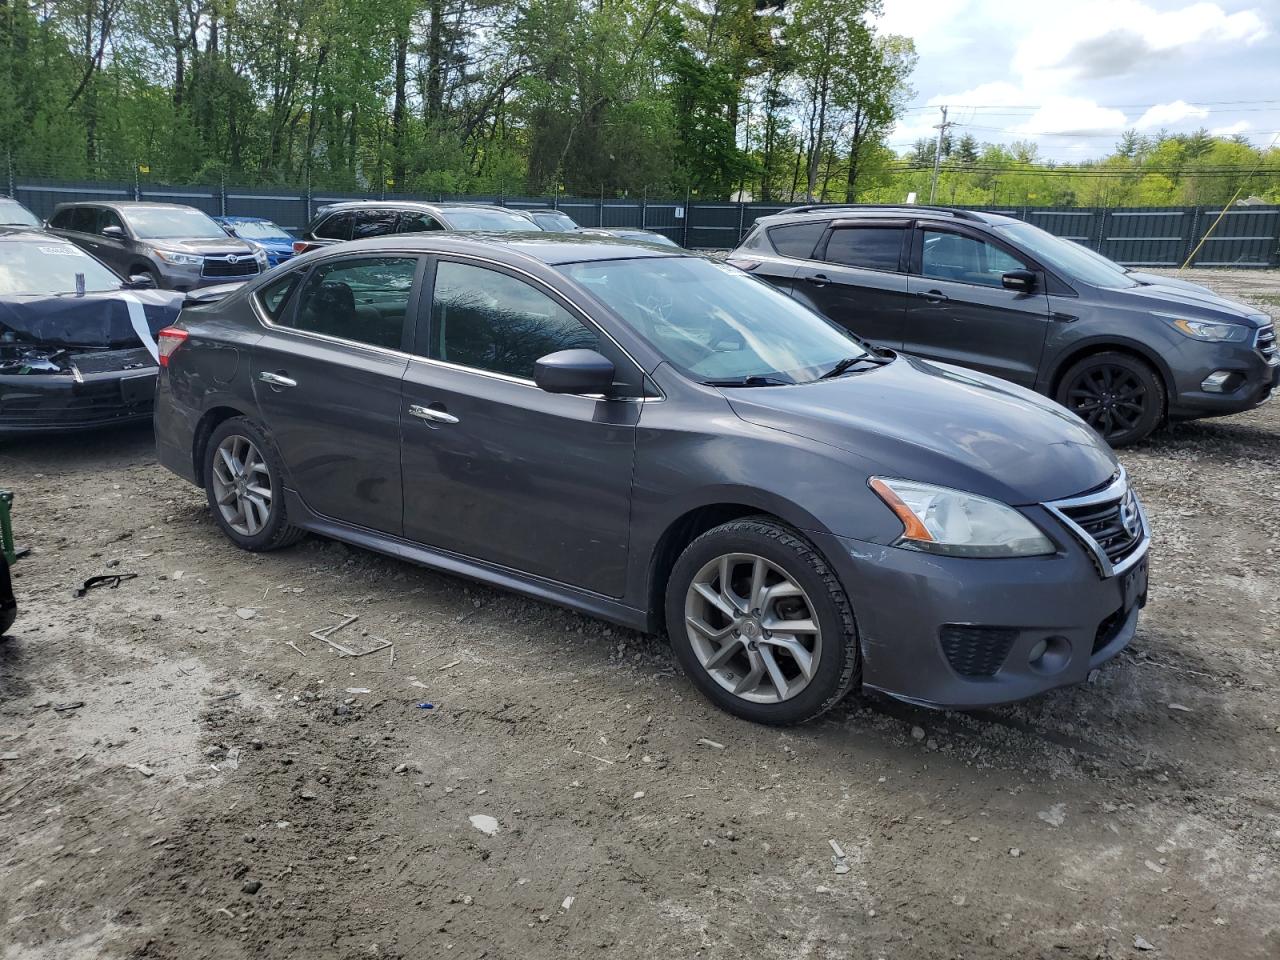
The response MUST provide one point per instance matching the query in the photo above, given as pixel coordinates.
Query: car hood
(95, 320)
(1174, 283)
(936, 423)
(1201, 301)
(212, 245)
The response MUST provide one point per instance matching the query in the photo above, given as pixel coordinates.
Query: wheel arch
(208, 422)
(1131, 347)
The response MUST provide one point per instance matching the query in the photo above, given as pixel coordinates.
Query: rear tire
(1118, 394)
(760, 623)
(243, 481)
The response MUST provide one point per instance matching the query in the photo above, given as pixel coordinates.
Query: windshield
(488, 220)
(555, 221)
(172, 223)
(259, 230)
(1068, 257)
(714, 322)
(47, 268)
(12, 212)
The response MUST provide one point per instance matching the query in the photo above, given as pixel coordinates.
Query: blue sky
(1071, 75)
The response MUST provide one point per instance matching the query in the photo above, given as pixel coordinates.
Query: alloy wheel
(1110, 398)
(242, 485)
(752, 628)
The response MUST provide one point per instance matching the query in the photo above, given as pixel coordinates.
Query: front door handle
(933, 296)
(433, 415)
(276, 379)
(818, 279)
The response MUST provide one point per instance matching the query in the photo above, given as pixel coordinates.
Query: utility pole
(937, 155)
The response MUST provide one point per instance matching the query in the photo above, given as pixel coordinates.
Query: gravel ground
(185, 773)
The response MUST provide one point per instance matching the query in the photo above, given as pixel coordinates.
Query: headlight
(261, 256)
(179, 259)
(959, 524)
(1206, 330)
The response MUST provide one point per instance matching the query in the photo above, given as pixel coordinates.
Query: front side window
(84, 219)
(414, 222)
(797, 239)
(872, 248)
(172, 223)
(952, 256)
(374, 223)
(713, 322)
(1073, 260)
(107, 218)
(364, 300)
(491, 321)
(50, 267)
(336, 227)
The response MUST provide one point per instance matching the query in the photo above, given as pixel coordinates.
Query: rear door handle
(933, 296)
(428, 413)
(276, 379)
(818, 279)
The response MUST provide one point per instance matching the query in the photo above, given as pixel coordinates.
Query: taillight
(168, 340)
(301, 246)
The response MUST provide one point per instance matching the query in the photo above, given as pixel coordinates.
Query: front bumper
(1253, 380)
(59, 403)
(995, 613)
(184, 277)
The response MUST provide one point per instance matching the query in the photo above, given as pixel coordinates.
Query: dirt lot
(185, 773)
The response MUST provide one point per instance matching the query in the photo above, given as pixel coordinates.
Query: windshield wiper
(752, 381)
(848, 363)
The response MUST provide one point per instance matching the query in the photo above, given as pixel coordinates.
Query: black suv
(364, 219)
(999, 295)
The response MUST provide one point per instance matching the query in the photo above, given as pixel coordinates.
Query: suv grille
(222, 266)
(976, 651)
(1267, 344)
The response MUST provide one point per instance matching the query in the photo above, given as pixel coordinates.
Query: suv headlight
(179, 259)
(261, 256)
(1206, 330)
(959, 524)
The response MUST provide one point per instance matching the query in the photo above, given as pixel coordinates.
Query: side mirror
(574, 371)
(140, 281)
(114, 232)
(229, 231)
(1023, 281)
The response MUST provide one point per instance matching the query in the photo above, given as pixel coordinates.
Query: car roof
(553, 249)
(246, 219)
(411, 205)
(128, 204)
(810, 212)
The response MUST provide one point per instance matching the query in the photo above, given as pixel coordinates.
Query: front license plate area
(1133, 586)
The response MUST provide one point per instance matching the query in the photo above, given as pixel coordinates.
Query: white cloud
(1240, 126)
(927, 22)
(1166, 114)
(1073, 115)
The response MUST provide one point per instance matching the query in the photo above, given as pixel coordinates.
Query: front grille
(1114, 525)
(112, 361)
(976, 651)
(1109, 629)
(1266, 343)
(244, 265)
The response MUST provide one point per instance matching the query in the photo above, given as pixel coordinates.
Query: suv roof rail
(952, 211)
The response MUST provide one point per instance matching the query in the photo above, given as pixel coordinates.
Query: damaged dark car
(77, 343)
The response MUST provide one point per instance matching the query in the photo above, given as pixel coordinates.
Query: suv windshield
(555, 221)
(12, 212)
(1068, 257)
(44, 268)
(256, 230)
(172, 223)
(714, 322)
(463, 219)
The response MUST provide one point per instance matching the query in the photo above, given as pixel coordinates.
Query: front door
(960, 312)
(861, 283)
(497, 469)
(327, 378)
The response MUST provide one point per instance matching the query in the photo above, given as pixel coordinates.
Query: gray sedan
(668, 443)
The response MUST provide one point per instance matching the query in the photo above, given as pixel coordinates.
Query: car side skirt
(583, 601)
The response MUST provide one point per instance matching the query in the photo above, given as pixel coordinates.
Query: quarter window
(337, 227)
(411, 222)
(875, 248)
(275, 296)
(952, 256)
(365, 300)
(797, 239)
(491, 321)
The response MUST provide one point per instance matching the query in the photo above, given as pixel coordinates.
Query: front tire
(243, 481)
(1119, 395)
(760, 623)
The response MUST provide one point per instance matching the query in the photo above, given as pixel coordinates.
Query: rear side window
(413, 222)
(374, 223)
(63, 219)
(362, 299)
(336, 227)
(797, 239)
(875, 248)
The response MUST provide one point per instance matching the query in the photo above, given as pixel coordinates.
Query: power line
(1104, 106)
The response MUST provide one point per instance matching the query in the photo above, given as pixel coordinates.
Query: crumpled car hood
(95, 320)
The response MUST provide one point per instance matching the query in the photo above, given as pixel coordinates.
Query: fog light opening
(1050, 655)
(1218, 382)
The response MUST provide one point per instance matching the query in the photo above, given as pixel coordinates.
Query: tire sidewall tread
(278, 532)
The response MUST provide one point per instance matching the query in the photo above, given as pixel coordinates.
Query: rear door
(326, 376)
(959, 310)
(776, 253)
(861, 281)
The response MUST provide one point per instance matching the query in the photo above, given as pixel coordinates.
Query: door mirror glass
(113, 232)
(574, 371)
(140, 281)
(1023, 281)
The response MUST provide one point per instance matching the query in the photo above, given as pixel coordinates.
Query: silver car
(176, 246)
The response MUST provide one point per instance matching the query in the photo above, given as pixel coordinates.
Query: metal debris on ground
(838, 858)
(290, 643)
(325, 633)
(111, 580)
(246, 613)
(426, 706)
(73, 705)
(450, 665)
(704, 742)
